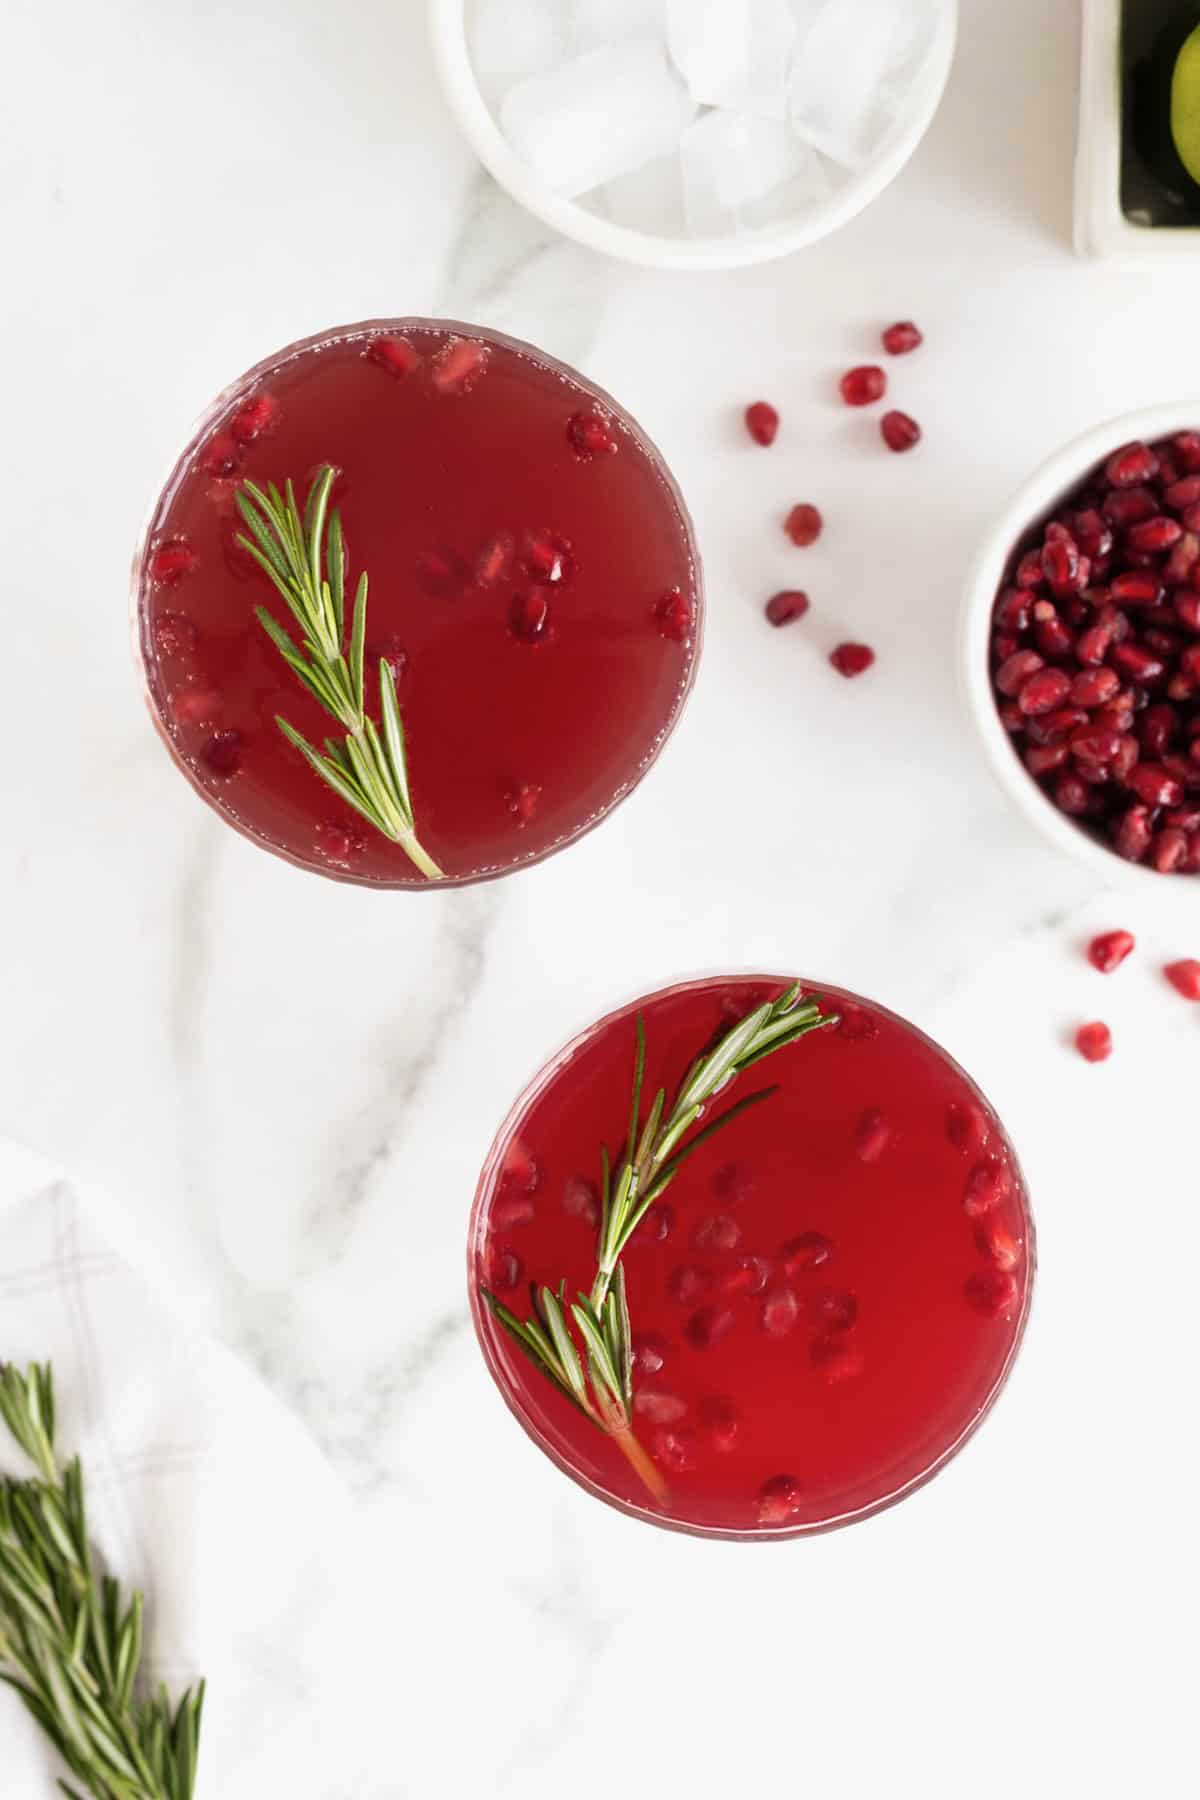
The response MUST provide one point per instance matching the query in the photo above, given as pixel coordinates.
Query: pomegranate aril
(719, 1418)
(998, 1243)
(1184, 977)
(733, 1182)
(1014, 609)
(1108, 951)
(1133, 834)
(856, 1025)
(1187, 610)
(762, 422)
(1154, 536)
(1168, 851)
(716, 1234)
(674, 616)
(195, 706)
(1186, 447)
(546, 559)
(254, 418)
(871, 1137)
(522, 802)
(986, 1186)
(442, 573)
(1029, 571)
(520, 1169)
(852, 659)
(221, 455)
(338, 844)
(864, 385)
(223, 754)
(1052, 727)
(1092, 533)
(785, 606)
(1155, 785)
(529, 618)
(592, 434)
(899, 432)
(504, 1270)
(708, 1327)
(993, 1292)
(966, 1126)
(657, 1224)
(1182, 494)
(902, 338)
(512, 1210)
(394, 354)
(1157, 729)
(459, 364)
(745, 1275)
(811, 1250)
(1130, 507)
(1016, 670)
(831, 1309)
(835, 1359)
(495, 559)
(1092, 645)
(649, 1352)
(659, 1408)
(1094, 686)
(581, 1201)
(1053, 637)
(1012, 718)
(804, 525)
(1140, 665)
(1136, 590)
(689, 1283)
(673, 1449)
(1094, 1042)
(1062, 565)
(1041, 759)
(1071, 796)
(780, 1313)
(1044, 691)
(1131, 464)
(174, 634)
(171, 561)
(779, 1500)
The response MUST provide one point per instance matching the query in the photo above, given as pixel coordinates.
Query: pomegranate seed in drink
(674, 615)
(689, 1283)
(762, 422)
(804, 525)
(171, 562)
(780, 1313)
(706, 1328)
(1094, 1042)
(529, 618)
(746, 1275)
(993, 1292)
(986, 1185)
(785, 606)
(872, 1136)
(720, 1419)
(222, 455)
(504, 1270)
(659, 1408)
(522, 803)
(1184, 977)
(581, 1201)
(779, 1500)
(835, 1359)
(901, 339)
(899, 432)
(717, 1233)
(998, 1243)
(592, 434)
(338, 844)
(223, 753)
(394, 354)
(852, 659)
(1108, 951)
(254, 417)
(864, 385)
(458, 365)
(511, 1211)
(811, 1250)
(966, 1126)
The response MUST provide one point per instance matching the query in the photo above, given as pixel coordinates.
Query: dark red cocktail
(820, 1310)
(533, 592)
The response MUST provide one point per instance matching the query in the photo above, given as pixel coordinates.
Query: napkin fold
(204, 1493)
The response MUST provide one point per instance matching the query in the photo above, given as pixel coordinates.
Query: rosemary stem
(412, 849)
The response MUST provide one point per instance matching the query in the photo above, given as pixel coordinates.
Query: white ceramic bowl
(447, 23)
(1052, 483)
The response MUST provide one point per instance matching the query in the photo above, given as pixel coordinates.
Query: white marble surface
(185, 188)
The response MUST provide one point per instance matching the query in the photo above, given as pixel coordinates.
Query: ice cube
(740, 171)
(734, 53)
(647, 199)
(853, 67)
(597, 116)
(510, 40)
(596, 24)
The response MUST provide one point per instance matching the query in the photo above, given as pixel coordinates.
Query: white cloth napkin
(204, 1493)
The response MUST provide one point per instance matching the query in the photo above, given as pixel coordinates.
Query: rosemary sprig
(305, 558)
(69, 1645)
(600, 1382)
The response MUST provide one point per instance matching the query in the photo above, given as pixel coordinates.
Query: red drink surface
(878, 1170)
(463, 496)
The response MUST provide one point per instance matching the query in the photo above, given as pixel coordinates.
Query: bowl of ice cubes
(694, 134)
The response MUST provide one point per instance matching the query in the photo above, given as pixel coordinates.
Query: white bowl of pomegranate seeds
(1081, 648)
(694, 134)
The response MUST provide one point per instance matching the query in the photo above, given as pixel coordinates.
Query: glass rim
(181, 462)
(480, 1317)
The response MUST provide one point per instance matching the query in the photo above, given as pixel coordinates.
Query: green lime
(1185, 104)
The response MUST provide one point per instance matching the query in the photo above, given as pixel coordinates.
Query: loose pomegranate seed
(1071, 796)
(783, 607)
(901, 339)
(673, 1449)
(1108, 951)
(1132, 464)
(223, 754)
(966, 1126)
(1184, 977)
(1155, 535)
(1187, 610)
(864, 385)
(592, 434)
(1168, 851)
(1014, 609)
(459, 364)
(1155, 785)
(1187, 450)
(780, 1313)
(221, 455)
(746, 1275)
(689, 1283)
(1091, 532)
(1182, 494)
(1011, 717)
(522, 802)
(674, 615)
(706, 1328)
(993, 1292)
(529, 618)
(393, 354)
(1094, 1042)
(495, 559)
(1053, 638)
(504, 1270)
(811, 1250)
(1029, 571)
(1061, 564)
(1094, 686)
(1044, 691)
(254, 417)
(1157, 729)
(1136, 589)
(871, 1137)
(835, 1359)
(1016, 670)
(804, 525)
(716, 1234)
(997, 1243)
(1040, 759)
(1092, 646)
(987, 1184)
(1129, 506)
(779, 1500)
(1133, 834)
(852, 659)
(546, 558)
(649, 1352)
(899, 432)
(762, 422)
(659, 1408)
(1138, 664)
(1004, 645)
(172, 560)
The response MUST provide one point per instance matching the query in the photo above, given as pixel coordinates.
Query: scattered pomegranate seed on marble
(864, 385)
(903, 338)
(393, 354)
(1184, 977)
(1108, 951)
(762, 422)
(1094, 1042)
(804, 525)
(852, 659)
(784, 607)
(900, 432)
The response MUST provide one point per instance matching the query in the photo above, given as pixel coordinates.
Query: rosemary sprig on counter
(305, 557)
(70, 1646)
(600, 1381)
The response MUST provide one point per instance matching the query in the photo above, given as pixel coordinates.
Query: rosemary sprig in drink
(69, 1645)
(600, 1382)
(306, 560)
